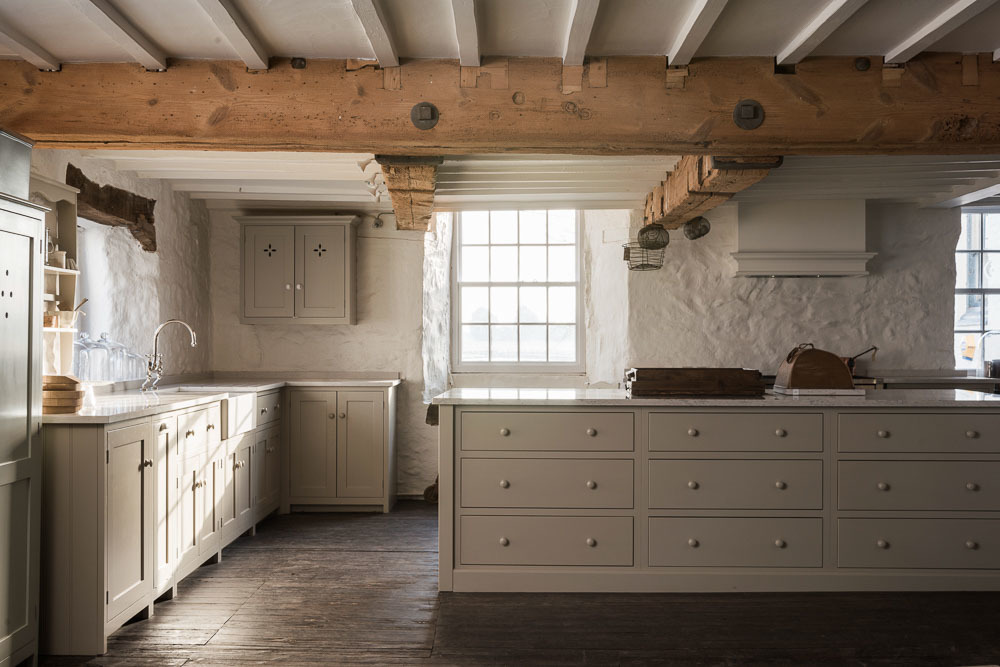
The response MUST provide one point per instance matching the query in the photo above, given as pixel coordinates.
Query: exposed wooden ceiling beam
(27, 48)
(696, 26)
(829, 109)
(467, 32)
(234, 27)
(982, 188)
(411, 182)
(829, 18)
(955, 15)
(581, 23)
(116, 26)
(373, 20)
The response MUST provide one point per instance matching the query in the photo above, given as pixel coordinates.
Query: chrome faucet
(981, 351)
(154, 362)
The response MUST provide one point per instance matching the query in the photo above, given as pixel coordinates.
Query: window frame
(980, 291)
(577, 367)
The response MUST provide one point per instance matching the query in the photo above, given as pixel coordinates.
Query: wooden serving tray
(736, 382)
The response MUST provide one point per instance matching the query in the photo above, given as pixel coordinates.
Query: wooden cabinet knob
(971, 545)
(972, 486)
(505, 432)
(147, 463)
(781, 486)
(882, 434)
(591, 484)
(882, 544)
(781, 544)
(343, 415)
(504, 484)
(693, 432)
(504, 541)
(591, 432)
(882, 486)
(693, 543)
(591, 542)
(693, 484)
(972, 434)
(781, 433)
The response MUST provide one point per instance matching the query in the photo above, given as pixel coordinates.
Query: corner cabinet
(298, 269)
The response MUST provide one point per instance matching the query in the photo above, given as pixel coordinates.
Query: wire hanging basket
(642, 259)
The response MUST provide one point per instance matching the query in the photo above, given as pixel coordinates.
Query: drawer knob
(693, 432)
(343, 415)
(332, 415)
(781, 486)
(591, 432)
(147, 463)
(972, 434)
(882, 544)
(882, 434)
(210, 427)
(883, 486)
(693, 543)
(505, 432)
(504, 484)
(693, 485)
(781, 544)
(188, 434)
(972, 486)
(263, 411)
(971, 544)
(781, 433)
(504, 542)
(591, 484)
(591, 542)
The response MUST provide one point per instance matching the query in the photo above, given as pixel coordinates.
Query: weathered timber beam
(411, 181)
(699, 183)
(115, 207)
(826, 108)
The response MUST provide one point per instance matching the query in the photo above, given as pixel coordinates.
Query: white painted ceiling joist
(375, 26)
(467, 32)
(833, 14)
(696, 26)
(952, 17)
(234, 27)
(27, 49)
(980, 189)
(116, 26)
(581, 24)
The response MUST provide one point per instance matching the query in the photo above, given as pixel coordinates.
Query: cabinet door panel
(225, 488)
(272, 467)
(243, 467)
(212, 492)
(128, 527)
(313, 448)
(189, 519)
(359, 444)
(167, 492)
(320, 271)
(268, 270)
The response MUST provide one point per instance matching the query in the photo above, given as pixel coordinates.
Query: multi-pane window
(977, 288)
(517, 291)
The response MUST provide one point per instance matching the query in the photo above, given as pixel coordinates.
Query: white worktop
(895, 398)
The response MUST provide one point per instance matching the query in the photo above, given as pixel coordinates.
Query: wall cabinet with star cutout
(298, 270)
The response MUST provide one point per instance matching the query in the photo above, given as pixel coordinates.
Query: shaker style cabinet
(298, 269)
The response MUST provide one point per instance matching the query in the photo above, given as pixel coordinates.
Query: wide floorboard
(313, 589)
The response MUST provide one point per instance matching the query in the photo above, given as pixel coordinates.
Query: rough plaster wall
(436, 338)
(130, 290)
(694, 312)
(606, 298)
(386, 337)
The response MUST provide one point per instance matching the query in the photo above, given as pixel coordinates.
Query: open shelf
(58, 330)
(63, 272)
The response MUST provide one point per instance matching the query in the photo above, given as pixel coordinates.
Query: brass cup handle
(147, 463)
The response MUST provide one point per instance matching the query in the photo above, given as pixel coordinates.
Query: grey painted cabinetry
(341, 447)
(298, 269)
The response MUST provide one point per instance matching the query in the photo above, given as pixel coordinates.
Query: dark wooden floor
(361, 589)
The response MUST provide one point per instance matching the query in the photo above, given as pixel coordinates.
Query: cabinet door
(243, 468)
(359, 444)
(258, 464)
(191, 511)
(167, 497)
(272, 467)
(129, 517)
(227, 471)
(312, 453)
(321, 271)
(268, 270)
(212, 496)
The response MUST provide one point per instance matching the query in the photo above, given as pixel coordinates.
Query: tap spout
(156, 335)
(154, 362)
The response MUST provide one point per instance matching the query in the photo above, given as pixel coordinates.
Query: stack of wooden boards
(681, 382)
(61, 394)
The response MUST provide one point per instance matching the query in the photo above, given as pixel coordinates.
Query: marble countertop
(886, 398)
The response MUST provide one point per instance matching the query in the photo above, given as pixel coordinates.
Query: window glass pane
(562, 226)
(971, 237)
(475, 227)
(992, 347)
(533, 263)
(992, 311)
(992, 241)
(475, 343)
(476, 263)
(475, 304)
(991, 270)
(562, 304)
(533, 343)
(562, 264)
(967, 270)
(532, 226)
(503, 304)
(968, 312)
(965, 347)
(503, 227)
(503, 264)
(532, 304)
(562, 342)
(503, 343)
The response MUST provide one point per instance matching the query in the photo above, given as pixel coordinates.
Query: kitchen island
(589, 490)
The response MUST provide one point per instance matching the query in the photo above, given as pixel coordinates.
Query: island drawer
(268, 407)
(729, 484)
(919, 543)
(947, 433)
(548, 431)
(735, 542)
(546, 540)
(199, 430)
(548, 483)
(735, 432)
(919, 485)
